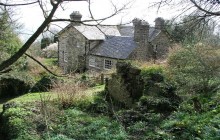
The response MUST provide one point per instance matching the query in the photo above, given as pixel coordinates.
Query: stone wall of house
(163, 42)
(141, 33)
(146, 52)
(99, 63)
(73, 48)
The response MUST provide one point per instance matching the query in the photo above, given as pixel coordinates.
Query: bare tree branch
(43, 65)
(48, 19)
(24, 48)
(18, 4)
(204, 10)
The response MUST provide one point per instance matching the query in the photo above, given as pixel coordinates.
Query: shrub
(44, 84)
(14, 84)
(196, 69)
(186, 123)
(68, 92)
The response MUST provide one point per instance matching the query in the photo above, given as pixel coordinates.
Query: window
(92, 62)
(65, 58)
(107, 64)
(77, 44)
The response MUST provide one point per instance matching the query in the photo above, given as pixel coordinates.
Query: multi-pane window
(107, 64)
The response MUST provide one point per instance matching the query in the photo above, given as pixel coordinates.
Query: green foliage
(50, 62)
(9, 41)
(152, 74)
(45, 42)
(78, 125)
(118, 91)
(97, 104)
(159, 91)
(191, 29)
(196, 69)
(14, 84)
(44, 84)
(16, 125)
(154, 104)
(138, 130)
(88, 80)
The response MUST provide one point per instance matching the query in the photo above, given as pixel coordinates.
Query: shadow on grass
(5, 100)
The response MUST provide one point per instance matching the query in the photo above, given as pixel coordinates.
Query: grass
(50, 61)
(31, 97)
(34, 117)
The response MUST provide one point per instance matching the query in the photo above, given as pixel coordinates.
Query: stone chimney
(159, 23)
(141, 35)
(76, 16)
(141, 30)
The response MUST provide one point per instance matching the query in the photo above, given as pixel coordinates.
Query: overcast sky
(32, 17)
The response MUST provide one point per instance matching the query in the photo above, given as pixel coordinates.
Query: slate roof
(129, 31)
(94, 32)
(126, 30)
(153, 33)
(119, 47)
(97, 33)
(119, 43)
(90, 32)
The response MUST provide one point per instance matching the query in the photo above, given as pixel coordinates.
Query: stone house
(82, 47)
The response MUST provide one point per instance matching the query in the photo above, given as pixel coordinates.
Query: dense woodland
(177, 98)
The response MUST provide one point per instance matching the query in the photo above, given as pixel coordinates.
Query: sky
(31, 16)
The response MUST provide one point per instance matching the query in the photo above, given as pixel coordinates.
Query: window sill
(94, 67)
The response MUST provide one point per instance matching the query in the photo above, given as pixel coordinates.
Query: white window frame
(92, 62)
(77, 44)
(109, 64)
(65, 55)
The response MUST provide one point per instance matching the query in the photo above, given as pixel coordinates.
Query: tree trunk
(5, 64)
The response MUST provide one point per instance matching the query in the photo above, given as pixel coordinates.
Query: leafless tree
(203, 9)
(198, 14)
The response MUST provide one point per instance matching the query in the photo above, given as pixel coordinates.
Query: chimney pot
(159, 23)
(76, 16)
(141, 30)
